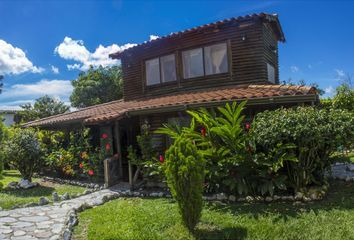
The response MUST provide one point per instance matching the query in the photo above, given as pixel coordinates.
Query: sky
(45, 44)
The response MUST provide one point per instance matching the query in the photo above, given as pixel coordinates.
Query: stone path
(343, 171)
(50, 221)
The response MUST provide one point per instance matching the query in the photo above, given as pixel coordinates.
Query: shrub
(185, 170)
(2, 138)
(315, 133)
(23, 151)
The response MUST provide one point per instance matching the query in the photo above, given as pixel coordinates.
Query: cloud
(340, 73)
(55, 88)
(329, 90)
(13, 60)
(54, 69)
(153, 37)
(294, 69)
(75, 50)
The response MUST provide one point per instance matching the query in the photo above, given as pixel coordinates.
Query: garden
(230, 177)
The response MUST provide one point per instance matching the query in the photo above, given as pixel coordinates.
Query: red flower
(108, 146)
(162, 159)
(203, 131)
(104, 136)
(248, 126)
(90, 172)
(81, 165)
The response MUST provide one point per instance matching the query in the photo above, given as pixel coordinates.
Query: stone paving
(50, 221)
(343, 171)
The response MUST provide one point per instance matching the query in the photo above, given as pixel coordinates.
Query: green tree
(96, 86)
(344, 98)
(43, 107)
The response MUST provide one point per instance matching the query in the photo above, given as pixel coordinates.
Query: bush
(185, 170)
(23, 152)
(315, 133)
(2, 138)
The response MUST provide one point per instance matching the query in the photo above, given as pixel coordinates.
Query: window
(215, 59)
(168, 68)
(193, 63)
(205, 61)
(152, 71)
(160, 70)
(271, 73)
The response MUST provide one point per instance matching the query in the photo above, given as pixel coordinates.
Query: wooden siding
(271, 49)
(246, 59)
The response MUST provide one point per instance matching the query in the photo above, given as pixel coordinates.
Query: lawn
(134, 219)
(10, 198)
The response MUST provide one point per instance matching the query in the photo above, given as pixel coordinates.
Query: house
(230, 60)
(8, 117)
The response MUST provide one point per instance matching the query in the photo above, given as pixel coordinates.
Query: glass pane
(168, 68)
(152, 71)
(193, 63)
(216, 59)
(271, 73)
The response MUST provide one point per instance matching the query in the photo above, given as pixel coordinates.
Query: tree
(96, 86)
(344, 98)
(45, 106)
(23, 151)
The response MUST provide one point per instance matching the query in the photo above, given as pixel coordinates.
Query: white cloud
(329, 90)
(55, 88)
(55, 70)
(153, 37)
(75, 50)
(340, 73)
(13, 60)
(294, 69)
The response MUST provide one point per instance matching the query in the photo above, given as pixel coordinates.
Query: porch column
(119, 149)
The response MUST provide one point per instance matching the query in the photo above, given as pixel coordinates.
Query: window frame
(160, 72)
(274, 73)
(228, 52)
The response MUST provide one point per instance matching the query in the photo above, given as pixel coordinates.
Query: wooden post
(119, 149)
(130, 175)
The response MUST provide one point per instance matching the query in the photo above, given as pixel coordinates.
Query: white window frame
(160, 70)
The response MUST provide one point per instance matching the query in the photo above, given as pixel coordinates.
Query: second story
(236, 51)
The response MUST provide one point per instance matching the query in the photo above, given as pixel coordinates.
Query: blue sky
(45, 44)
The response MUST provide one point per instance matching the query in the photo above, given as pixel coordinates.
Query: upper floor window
(159, 70)
(205, 61)
(271, 73)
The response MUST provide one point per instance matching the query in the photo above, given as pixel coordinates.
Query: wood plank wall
(247, 66)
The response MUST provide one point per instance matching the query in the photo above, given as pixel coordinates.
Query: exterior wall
(247, 59)
(8, 118)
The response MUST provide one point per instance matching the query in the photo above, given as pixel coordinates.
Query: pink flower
(248, 126)
(108, 147)
(162, 159)
(104, 136)
(81, 165)
(90, 172)
(203, 131)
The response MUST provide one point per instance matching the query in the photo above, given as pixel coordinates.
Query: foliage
(315, 133)
(185, 172)
(145, 157)
(96, 86)
(23, 151)
(234, 164)
(344, 98)
(3, 133)
(51, 141)
(329, 219)
(45, 106)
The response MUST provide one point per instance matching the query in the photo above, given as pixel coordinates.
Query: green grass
(10, 198)
(329, 219)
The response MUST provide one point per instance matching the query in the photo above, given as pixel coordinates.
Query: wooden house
(234, 59)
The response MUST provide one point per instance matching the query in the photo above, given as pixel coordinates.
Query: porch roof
(255, 94)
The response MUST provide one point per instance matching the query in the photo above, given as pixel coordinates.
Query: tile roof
(118, 109)
(273, 18)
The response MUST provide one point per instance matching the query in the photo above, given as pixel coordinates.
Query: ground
(10, 198)
(331, 218)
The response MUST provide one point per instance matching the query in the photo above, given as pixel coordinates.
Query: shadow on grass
(28, 193)
(340, 196)
(206, 232)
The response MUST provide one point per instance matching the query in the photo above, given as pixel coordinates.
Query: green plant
(315, 133)
(23, 151)
(185, 171)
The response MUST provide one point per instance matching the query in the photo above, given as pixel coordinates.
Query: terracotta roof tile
(118, 109)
